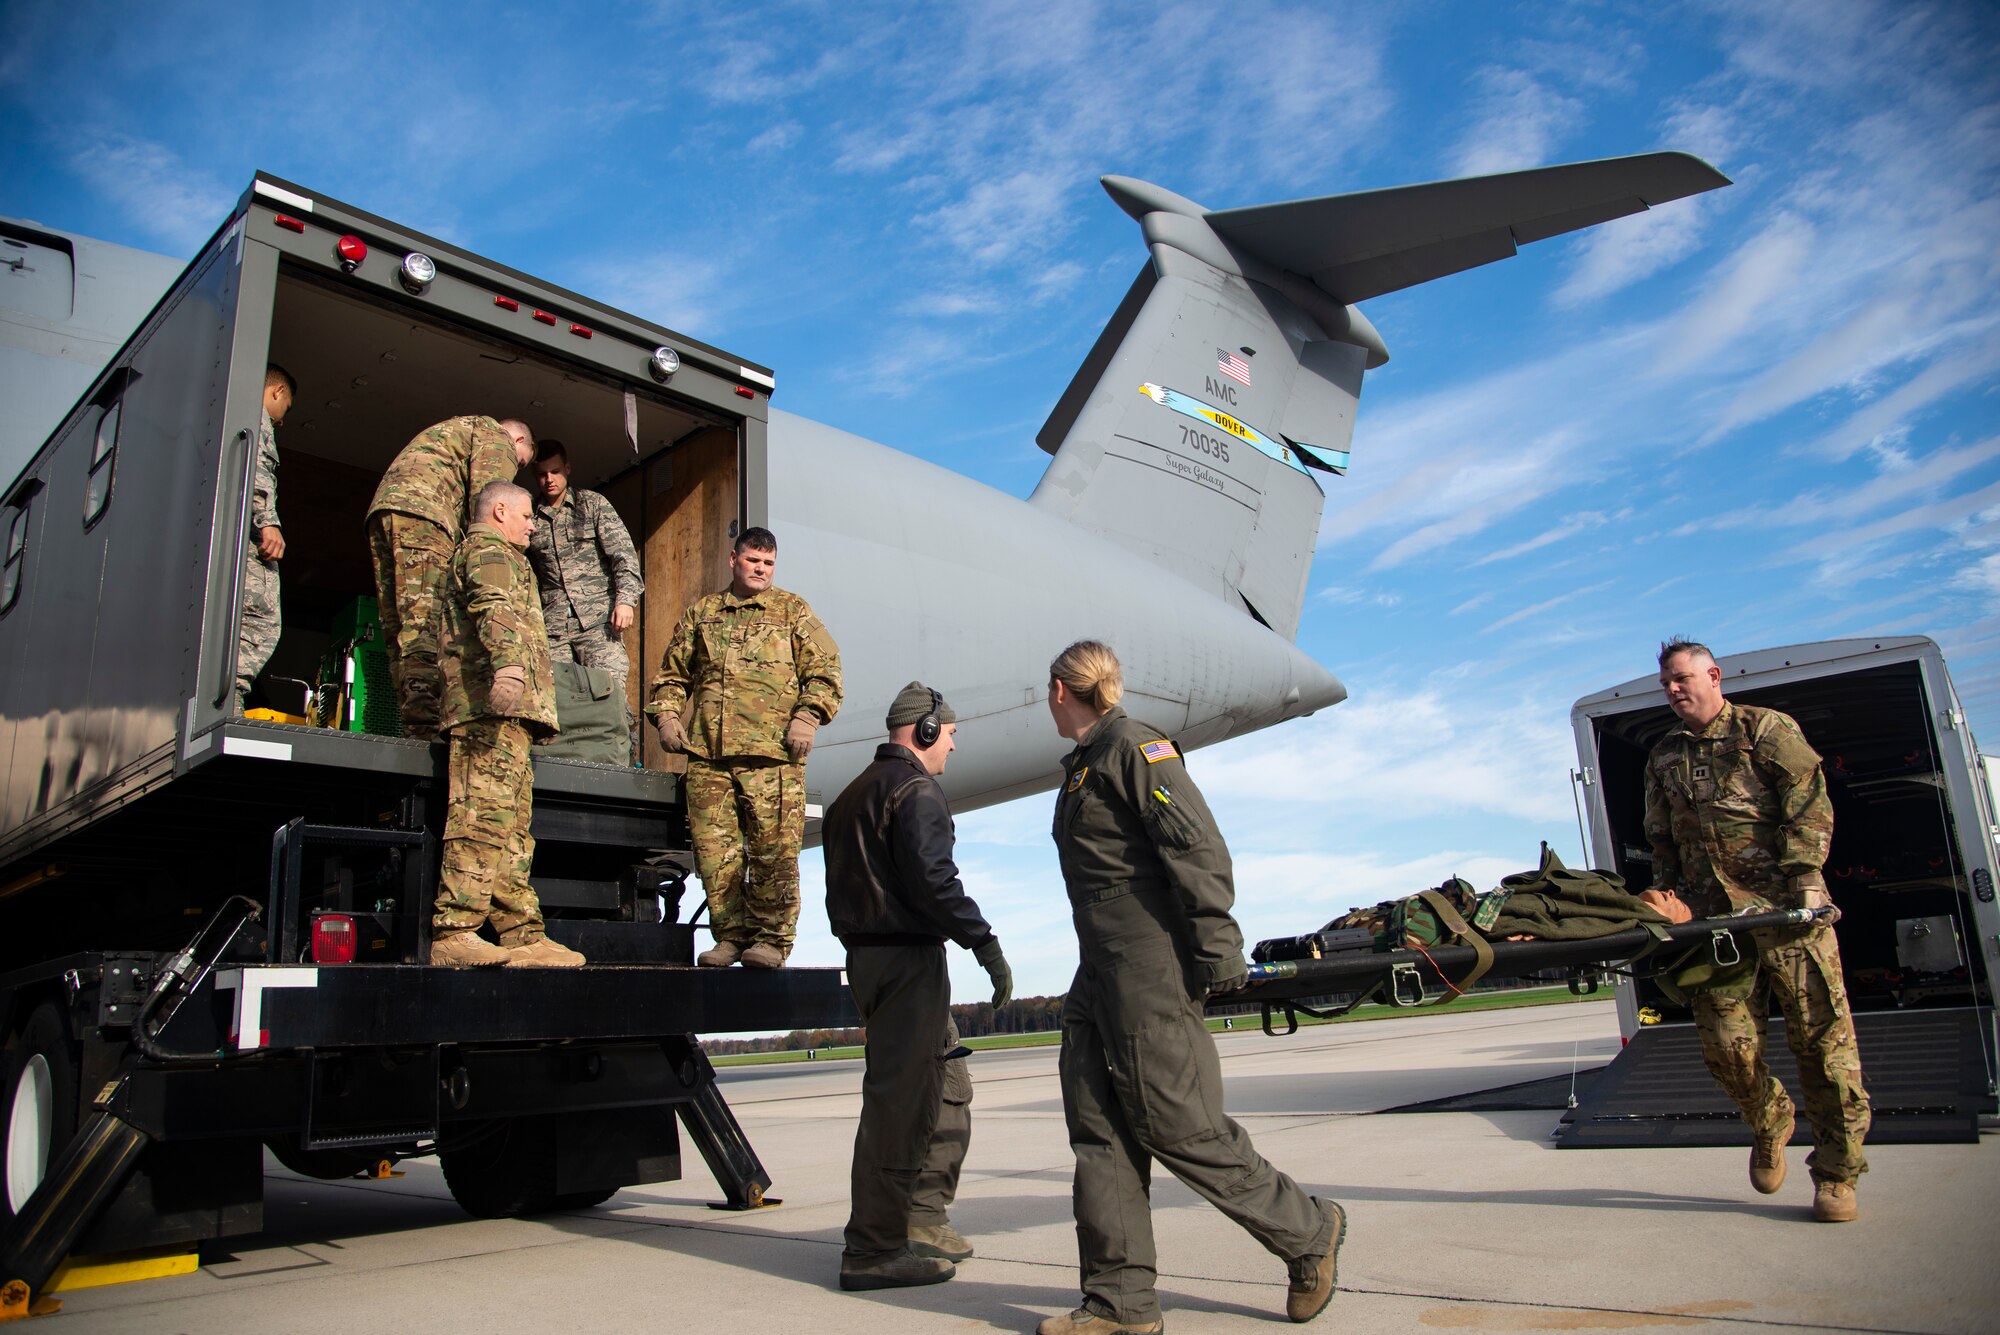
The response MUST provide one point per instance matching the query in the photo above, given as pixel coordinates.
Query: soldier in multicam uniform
(261, 621)
(587, 569)
(1738, 817)
(498, 697)
(414, 524)
(758, 674)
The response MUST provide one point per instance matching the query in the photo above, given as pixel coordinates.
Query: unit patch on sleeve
(1155, 752)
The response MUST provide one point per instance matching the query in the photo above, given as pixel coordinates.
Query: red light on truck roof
(352, 250)
(579, 331)
(545, 317)
(289, 223)
(333, 939)
(745, 392)
(507, 303)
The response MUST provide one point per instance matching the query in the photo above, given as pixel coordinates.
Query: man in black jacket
(893, 897)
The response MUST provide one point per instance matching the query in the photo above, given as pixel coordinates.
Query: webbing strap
(1481, 951)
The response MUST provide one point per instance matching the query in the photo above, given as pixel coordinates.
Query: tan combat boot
(466, 949)
(763, 956)
(542, 953)
(1834, 1203)
(720, 955)
(1767, 1161)
(1083, 1321)
(1312, 1277)
(899, 1270)
(939, 1240)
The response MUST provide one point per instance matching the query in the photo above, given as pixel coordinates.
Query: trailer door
(226, 445)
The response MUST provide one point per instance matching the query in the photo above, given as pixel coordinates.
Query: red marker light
(333, 939)
(507, 303)
(290, 224)
(579, 331)
(545, 317)
(352, 250)
(745, 392)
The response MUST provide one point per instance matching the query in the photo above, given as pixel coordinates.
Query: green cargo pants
(937, 1184)
(904, 995)
(1141, 1083)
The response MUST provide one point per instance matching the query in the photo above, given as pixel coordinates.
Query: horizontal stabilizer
(1358, 246)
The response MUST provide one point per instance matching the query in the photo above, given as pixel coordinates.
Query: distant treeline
(1022, 1015)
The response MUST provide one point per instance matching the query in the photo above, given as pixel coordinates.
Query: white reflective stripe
(755, 377)
(248, 746)
(269, 191)
(247, 1030)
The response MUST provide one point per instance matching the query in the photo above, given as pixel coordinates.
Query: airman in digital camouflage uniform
(414, 524)
(261, 621)
(588, 571)
(498, 697)
(1738, 817)
(757, 674)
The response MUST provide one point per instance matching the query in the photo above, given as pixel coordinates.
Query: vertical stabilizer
(1199, 429)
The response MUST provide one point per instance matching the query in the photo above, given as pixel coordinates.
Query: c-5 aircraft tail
(1228, 376)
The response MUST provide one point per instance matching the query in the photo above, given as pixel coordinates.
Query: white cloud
(162, 194)
(1894, 410)
(1546, 604)
(1577, 523)
(1621, 253)
(1517, 122)
(680, 292)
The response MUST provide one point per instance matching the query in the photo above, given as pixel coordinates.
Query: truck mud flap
(1927, 1074)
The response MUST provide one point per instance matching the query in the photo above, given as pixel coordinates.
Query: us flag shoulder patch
(1155, 752)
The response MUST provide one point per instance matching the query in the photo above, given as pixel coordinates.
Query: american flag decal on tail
(1233, 366)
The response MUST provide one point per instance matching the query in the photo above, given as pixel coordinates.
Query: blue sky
(1766, 415)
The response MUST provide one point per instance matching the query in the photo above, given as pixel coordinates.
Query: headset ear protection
(930, 726)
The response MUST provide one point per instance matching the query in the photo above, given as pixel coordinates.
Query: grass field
(1556, 995)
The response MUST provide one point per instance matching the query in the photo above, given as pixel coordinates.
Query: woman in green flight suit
(1150, 891)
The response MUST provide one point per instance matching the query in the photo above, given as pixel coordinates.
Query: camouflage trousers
(595, 647)
(748, 818)
(1803, 975)
(412, 560)
(261, 622)
(487, 848)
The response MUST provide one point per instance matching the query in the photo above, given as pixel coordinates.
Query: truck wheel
(585, 1200)
(508, 1170)
(37, 1105)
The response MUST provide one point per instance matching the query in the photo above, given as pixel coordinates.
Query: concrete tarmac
(1458, 1221)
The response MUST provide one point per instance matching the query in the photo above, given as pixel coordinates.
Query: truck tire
(37, 1105)
(506, 1170)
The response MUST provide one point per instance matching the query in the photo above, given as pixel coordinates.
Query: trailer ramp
(1928, 1075)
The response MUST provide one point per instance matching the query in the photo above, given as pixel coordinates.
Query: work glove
(510, 683)
(1234, 978)
(799, 735)
(1668, 905)
(672, 735)
(990, 959)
